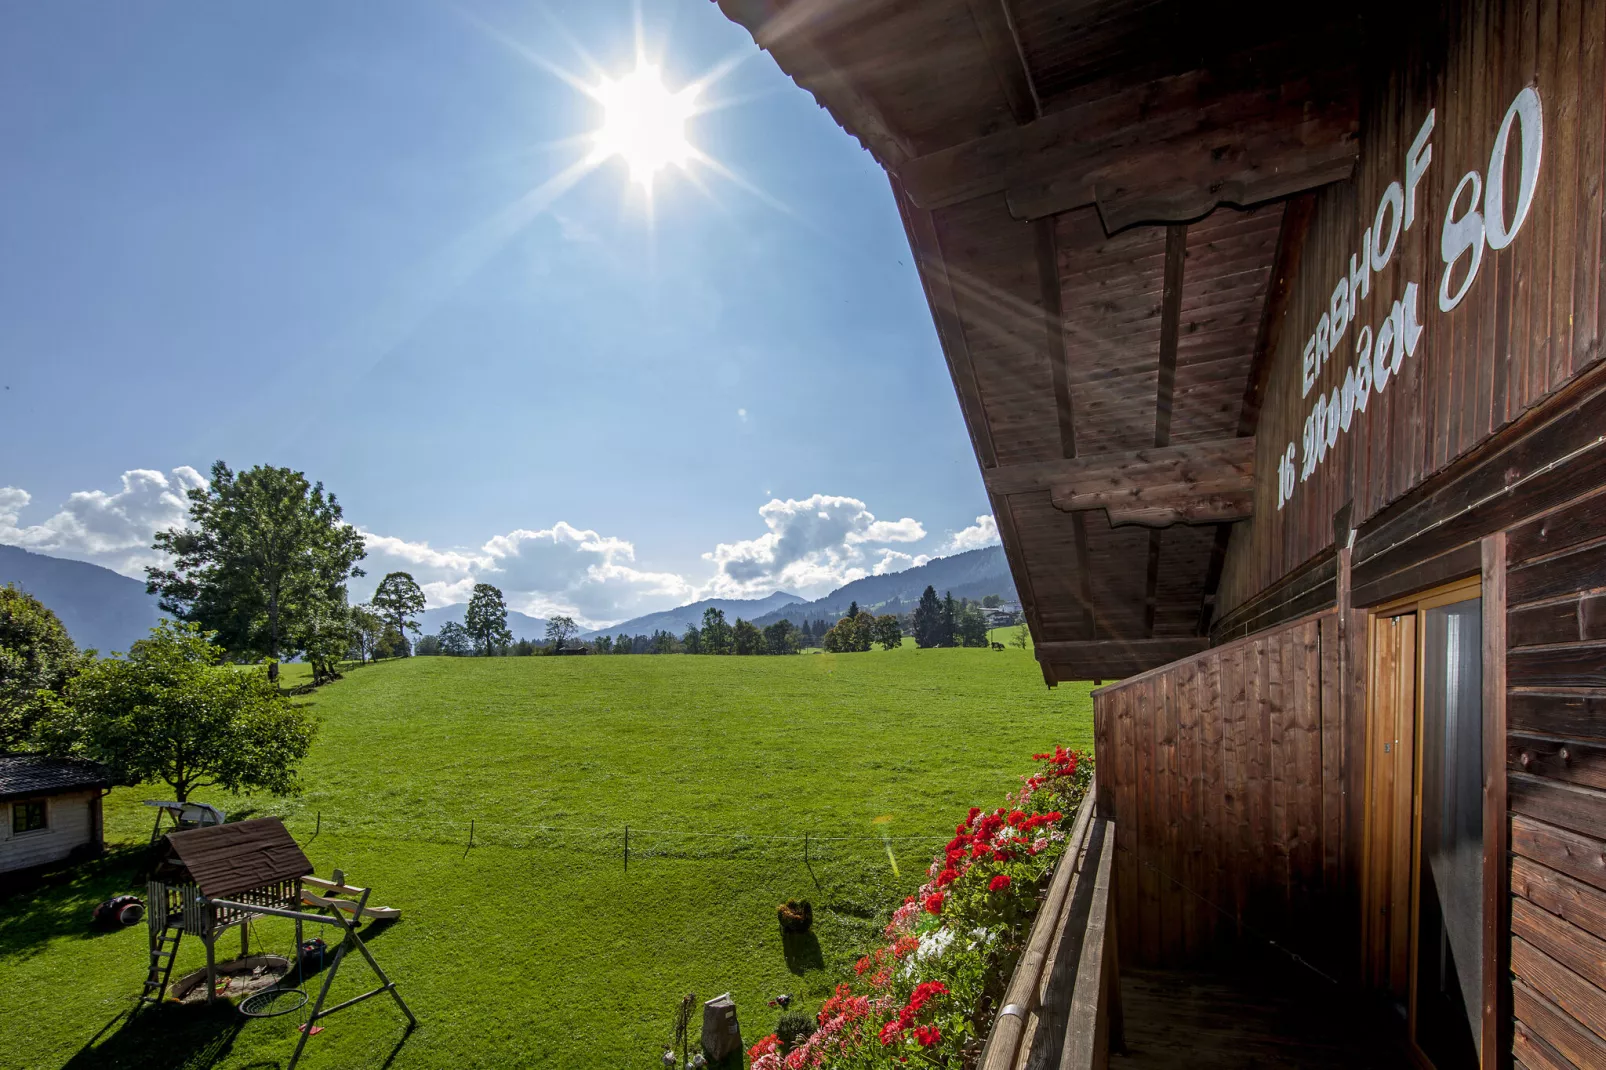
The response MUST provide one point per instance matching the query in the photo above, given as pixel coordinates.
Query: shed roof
(34, 774)
(225, 860)
(1101, 197)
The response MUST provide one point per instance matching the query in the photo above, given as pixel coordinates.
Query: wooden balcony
(1070, 1006)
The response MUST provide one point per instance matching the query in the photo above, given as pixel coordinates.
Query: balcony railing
(1062, 1006)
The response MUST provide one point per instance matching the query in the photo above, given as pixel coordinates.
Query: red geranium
(998, 883)
(933, 903)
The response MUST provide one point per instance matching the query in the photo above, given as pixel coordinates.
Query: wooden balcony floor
(1206, 1021)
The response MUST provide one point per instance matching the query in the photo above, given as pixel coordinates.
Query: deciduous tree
(692, 641)
(399, 599)
(454, 640)
(368, 627)
(485, 620)
(263, 549)
(745, 638)
(781, 637)
(36, 655)
(716, 633)
(1022, 636)
(170, 712)
(559, 630)
(889, 631)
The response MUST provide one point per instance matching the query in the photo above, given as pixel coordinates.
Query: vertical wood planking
(1222, 773)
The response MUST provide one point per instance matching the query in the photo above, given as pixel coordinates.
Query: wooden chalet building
(1277, 332)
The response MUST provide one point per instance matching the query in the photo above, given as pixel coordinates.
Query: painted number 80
(1466, 235)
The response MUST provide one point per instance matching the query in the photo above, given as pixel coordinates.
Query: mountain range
(973, 574)
(680, 618)
(101, 609)
(104, 610)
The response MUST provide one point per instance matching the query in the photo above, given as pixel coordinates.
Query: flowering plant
(926, 995)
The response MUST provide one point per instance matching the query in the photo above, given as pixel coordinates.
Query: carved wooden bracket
(1191, 483)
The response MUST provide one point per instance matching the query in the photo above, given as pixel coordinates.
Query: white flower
(934, 943)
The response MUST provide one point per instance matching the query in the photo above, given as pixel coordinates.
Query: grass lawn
(536, 947)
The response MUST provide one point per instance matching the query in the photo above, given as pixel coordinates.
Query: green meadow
(537, 946)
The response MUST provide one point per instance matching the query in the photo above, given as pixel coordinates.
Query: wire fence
(631, 843)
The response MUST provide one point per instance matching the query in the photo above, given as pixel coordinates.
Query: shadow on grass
(168, 1036)
(59, 903)
(802, 952)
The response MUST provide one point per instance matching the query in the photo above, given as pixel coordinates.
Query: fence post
(320, 824)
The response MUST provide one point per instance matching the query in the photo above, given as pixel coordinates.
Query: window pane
(1450, 920)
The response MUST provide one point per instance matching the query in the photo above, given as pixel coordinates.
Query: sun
(643, 123)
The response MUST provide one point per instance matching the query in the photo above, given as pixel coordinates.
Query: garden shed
(52, 810)
(1277, 335)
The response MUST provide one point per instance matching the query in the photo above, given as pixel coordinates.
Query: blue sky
(325, 236)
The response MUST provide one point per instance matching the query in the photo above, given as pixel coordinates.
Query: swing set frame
(349, 940)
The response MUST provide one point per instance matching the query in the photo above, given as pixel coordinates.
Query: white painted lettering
(1393, 203)
(1416, 165)
(1381, 353)
(1360, 275)
(1525, 108)
(1363, 368)
(1347, 412)
(1461, 236)
(1309, 367)
(1338, 313)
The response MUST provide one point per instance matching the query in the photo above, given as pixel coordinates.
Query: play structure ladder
(163, 951)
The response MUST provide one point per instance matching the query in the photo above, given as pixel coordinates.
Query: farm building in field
(1277, 333)
(52, 810)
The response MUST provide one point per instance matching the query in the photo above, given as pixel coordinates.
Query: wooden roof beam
(1103, 659)
(1166, 151)
(995, 23)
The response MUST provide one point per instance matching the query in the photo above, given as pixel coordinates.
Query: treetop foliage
(264, 553)
(171, 712)
(399, 599)
(36, 655)
(485, 620)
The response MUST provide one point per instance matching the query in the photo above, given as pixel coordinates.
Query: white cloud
(741, 414)
(561, 569)
(984, 532)
(811, 546)
(113, 529)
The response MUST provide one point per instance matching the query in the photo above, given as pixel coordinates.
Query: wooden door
(1390, 783)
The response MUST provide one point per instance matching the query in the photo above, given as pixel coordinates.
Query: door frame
(1489, 585)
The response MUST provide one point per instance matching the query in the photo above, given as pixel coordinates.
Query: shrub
(793, 1029)
(795, 917)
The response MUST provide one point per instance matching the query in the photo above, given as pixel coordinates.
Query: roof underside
(1096, 193)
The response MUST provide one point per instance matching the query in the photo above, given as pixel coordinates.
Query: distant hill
(522, 625)
(680, 618)
(100, 609)
(973, 574)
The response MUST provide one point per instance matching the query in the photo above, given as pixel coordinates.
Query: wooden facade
(1277, 333)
